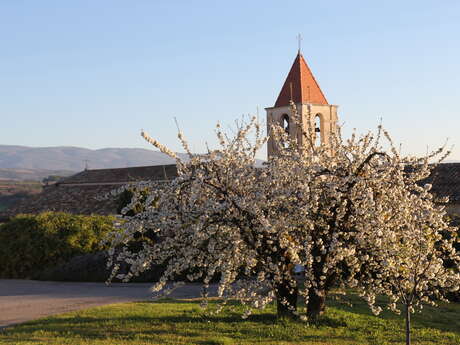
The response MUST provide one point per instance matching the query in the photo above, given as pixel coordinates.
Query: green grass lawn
(184, 322)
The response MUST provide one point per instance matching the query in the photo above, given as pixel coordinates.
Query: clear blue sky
(93, 73)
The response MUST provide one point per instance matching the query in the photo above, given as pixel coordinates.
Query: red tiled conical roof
(300, 85)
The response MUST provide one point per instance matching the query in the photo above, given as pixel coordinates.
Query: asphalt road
(25, 300)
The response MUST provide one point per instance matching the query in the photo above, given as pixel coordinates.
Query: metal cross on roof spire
(299, 40)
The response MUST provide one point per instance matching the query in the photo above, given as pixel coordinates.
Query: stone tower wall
(328, 124)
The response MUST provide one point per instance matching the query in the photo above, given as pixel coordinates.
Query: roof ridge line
(300, 56)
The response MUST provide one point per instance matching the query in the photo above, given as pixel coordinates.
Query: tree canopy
(353, 213)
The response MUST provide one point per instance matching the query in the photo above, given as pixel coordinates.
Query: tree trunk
(407, 325)
(286, 300)
(316, 304)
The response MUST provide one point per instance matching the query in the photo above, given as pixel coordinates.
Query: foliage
(125, 197)
(31, 243)
(185, 323)
(453, 296)
(455, 221)
(345, 212)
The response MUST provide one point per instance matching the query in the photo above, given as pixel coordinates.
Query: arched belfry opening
(285, 123)
(317, 132)
(302, 89)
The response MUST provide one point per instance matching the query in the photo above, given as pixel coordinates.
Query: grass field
(184, 322)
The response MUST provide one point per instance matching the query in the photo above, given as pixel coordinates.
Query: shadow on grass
(127, 327)
(91, 328)
(445, 317)
(192, 323)
(220, 330)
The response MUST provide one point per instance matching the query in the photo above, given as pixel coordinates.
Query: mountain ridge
(74, 158)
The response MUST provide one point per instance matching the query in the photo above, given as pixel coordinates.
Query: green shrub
(125, 197)
(31, 243)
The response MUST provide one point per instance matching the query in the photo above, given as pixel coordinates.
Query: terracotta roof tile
(145, 173)
(305, 88)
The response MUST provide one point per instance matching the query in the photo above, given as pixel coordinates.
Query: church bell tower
(303, 90)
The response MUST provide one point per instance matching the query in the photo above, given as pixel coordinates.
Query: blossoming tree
(412, 256)
(317, 207)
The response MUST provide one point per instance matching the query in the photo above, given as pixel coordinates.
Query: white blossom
(351, 214)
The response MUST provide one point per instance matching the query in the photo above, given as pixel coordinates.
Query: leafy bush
(92, 267)
(455, 221)
(125, 198)
(30, 244)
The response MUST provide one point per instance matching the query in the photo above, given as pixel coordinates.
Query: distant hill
(73, 159)
(35, 163)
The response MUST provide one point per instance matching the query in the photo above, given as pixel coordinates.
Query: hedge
(30, 244)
